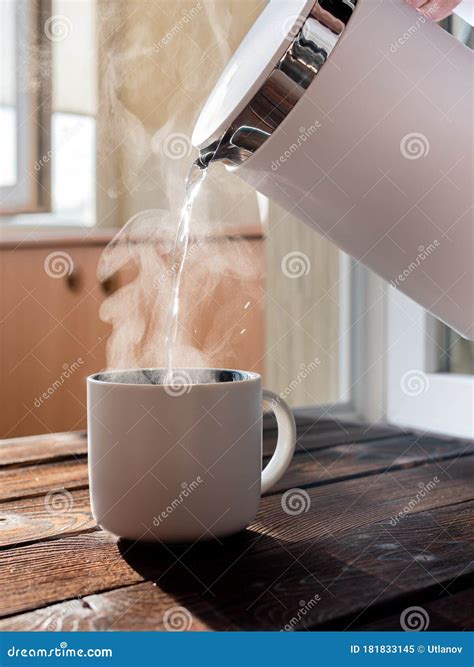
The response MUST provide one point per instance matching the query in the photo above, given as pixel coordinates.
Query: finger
(416, 3)
(327, 19)
(438, 9)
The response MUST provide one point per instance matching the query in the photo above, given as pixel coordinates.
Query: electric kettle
(356, 116)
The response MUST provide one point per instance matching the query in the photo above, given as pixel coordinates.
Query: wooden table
(385, 523)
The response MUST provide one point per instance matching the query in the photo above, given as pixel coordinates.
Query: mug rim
(96, 378)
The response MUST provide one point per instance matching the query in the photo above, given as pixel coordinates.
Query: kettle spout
(233, 148)
(206, 155)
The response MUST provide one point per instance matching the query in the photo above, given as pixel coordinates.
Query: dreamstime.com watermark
(423, 18)
(61, 651)
(414, 382)
(68, 370)
(177, 146)
(414, 619)
(423, 254)
(292, 25)
(187, 490)
(174, 268)
(58, 264)
(58, 501)
(305, 608)
(295, 502)
(177, 619)
(63, 617)
(295, 264)
(181, 383)
(68, 134)
(58, 27)
(424, 490)
(187, 16)
(302, 138)
(305, 372)
(414, 145)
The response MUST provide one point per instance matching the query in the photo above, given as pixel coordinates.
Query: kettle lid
(258, 54)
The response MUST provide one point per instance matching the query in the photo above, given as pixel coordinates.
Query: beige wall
(302, 311)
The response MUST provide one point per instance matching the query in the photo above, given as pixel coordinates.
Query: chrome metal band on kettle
(312, 41)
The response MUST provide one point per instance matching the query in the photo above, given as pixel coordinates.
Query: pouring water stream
(194, 180)
(218, 150)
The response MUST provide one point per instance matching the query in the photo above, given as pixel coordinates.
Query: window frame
(32, 191)
(361, 348)
(436, 401)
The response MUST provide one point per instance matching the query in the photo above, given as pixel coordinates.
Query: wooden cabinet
(52, 337)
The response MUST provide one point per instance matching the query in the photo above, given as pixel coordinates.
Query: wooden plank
(325, 583)
(138, 607)
(305, 420)
(374, 568)
(313, 433)
(38, 448)
(339, 461)
(313, 439)
(423, 556)
(450, 612)
(345, 461)
(74, 566)
(47, 572)
(47, 478)
(318, 434)
(33, 519)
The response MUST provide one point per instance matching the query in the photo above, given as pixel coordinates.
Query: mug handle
(286, 442)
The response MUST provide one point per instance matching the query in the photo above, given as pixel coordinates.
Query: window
(47, 111)
(24, 95)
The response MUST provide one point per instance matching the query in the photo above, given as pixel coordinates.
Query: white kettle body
(357, 117)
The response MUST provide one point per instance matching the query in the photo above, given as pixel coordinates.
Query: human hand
(435, 9)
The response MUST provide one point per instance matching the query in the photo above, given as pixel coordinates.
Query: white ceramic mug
(182, 462)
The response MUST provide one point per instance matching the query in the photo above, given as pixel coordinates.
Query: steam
(158, 65)
(159, 61)
(210, 321)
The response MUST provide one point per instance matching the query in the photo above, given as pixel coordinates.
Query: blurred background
(98, 99)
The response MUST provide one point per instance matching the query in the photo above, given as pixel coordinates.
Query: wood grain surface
(385, 519)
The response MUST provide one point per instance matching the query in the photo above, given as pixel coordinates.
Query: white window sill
(37, 221)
